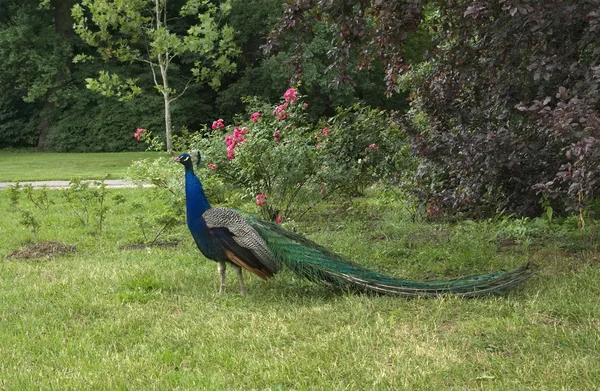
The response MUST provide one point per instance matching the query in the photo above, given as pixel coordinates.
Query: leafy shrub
(31, 221)
(153, 223)
(14, 193)
(506, 108)
(164, 174)
(160, 172)
(368, 147)
(95, 124)
(17, 121)
(39, 199)
(286, 164)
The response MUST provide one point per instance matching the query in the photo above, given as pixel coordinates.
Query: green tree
(363, 32)
(35, 60)
(141, 31)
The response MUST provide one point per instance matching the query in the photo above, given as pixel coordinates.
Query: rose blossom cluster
(255, 116)
(281, 112)
(234, 140)
(290, 95)
(261, 200)
(324, 132)
(138, 133)
(218, 124)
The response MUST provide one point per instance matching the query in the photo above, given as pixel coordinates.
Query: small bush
(284, 162)
(287, 164)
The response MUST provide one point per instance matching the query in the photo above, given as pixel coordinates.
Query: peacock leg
(238, 270)
(221, 266)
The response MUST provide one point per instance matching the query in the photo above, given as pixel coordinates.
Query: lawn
(107, 317)
(30, 166)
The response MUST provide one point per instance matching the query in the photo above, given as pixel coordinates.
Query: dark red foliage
(510, 94)
(513, 99)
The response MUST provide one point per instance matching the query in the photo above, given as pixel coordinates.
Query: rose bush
(275, 156)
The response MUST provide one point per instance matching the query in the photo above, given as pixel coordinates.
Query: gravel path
(110, 183)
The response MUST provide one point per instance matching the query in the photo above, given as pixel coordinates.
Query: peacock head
(187, 160)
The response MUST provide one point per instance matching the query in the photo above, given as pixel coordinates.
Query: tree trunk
(63, 25)
(167, 98)
(163, 63)
(63, 20)
(168, 126)
(44, 124)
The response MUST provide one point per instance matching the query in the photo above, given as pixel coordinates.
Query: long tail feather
(318, 264)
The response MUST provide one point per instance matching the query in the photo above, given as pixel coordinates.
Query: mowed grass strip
(106, 318)
(31, 166)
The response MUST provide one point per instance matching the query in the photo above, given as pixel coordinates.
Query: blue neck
(195, 200)
(196, 204)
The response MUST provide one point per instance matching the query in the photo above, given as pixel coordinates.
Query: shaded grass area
(31, 166)
(105, 318)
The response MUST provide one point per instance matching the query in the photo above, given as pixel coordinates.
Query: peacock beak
(176, 159)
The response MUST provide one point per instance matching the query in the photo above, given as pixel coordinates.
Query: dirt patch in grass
(43, 250)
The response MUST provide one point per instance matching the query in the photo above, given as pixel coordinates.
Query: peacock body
(229, 236)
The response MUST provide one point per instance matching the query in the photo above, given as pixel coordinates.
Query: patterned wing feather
(240, 241)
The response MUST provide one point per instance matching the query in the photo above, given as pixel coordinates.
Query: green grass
(29, 166)
(105, 318)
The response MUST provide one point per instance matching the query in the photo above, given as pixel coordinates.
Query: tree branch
(184, 89)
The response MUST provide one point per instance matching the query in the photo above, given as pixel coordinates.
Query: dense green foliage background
(36, 68)
(498, 100)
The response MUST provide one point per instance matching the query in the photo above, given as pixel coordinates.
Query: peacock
(244, 241)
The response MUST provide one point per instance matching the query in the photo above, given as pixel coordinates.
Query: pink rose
(290, 95)
(280, 111)
(218, 124)
(238, 135)
(261, 199)
(255, 116)
(138, 133)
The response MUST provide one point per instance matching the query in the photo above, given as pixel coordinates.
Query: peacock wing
(240, 241)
